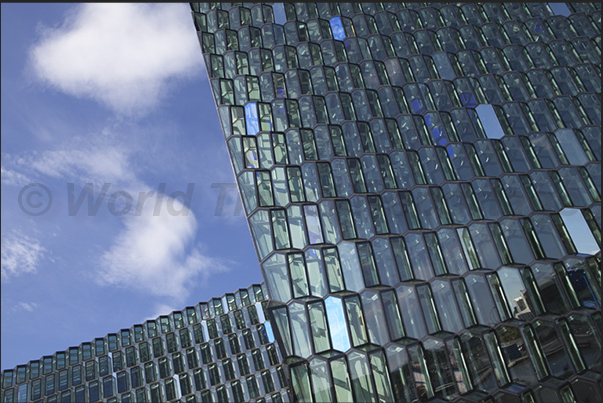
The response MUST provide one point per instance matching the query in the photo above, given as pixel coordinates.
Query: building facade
(422, 184)
(219, 351)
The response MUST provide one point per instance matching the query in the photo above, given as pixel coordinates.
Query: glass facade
(219, 351)
(422, 182)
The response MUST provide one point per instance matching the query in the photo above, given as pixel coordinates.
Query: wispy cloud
(13, 178)
(20, 254)
(156, 252)
(74, 163)
(150, 254)
(28, 306)
(122, 55)
(98, 156)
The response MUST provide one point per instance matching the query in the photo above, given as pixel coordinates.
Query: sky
(113, 161)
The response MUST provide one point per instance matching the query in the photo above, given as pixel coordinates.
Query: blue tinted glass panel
(337, 28)
(579, 231)
(251, 118)
(337, 324)
(489, 121)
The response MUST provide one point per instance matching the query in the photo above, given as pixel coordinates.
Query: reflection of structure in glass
(522, 310)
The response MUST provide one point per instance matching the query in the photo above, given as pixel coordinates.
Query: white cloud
(123, 55)
(28, 306)
(154, 253)
(106, 163)
(150, 253)
(13, 178)
(20, 254)
(79, 160)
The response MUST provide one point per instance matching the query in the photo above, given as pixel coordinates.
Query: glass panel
(300, 381)
(429, 310)
(375, 320)
(547, 242)
(517, 294)
(337, 324)
(549, 289)
(421, 263)
(585, 336)
(392, 314)
(341, 380)
(382, 382)
(439, 368)
(316, 274)
(361, 379)
(318, 326)
(386, 264)
(333, 268)
(282, 326)
(558, 362)
(299, 280)
(516, 241)
(446, 305)
(402, 259)
(277, 278)
(484, 246)
(411, 312)
(489, 121)
(355, 321)
(299, 327)
(579, 231)
(313, 224)
(321, 385)
(478, 364)
(483, 303)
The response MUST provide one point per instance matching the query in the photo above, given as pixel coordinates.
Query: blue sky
(109, 94)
